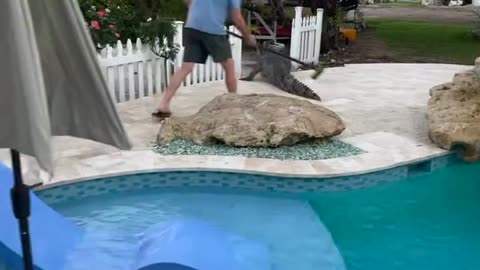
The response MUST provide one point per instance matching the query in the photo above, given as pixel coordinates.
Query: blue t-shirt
(210, 15)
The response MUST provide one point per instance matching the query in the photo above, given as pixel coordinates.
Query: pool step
(419, 168)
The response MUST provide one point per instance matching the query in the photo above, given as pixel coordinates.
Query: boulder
(258, 120)
(454, 114)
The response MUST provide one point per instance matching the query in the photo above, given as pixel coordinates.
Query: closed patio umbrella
(51, 85)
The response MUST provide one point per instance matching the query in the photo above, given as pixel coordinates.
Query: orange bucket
(349, 33)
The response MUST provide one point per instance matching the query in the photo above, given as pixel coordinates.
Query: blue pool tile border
(215, 180)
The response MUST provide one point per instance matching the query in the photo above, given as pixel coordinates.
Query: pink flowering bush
(102, 26)
(113, 20)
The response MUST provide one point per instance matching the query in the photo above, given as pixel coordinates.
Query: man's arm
(239, 22)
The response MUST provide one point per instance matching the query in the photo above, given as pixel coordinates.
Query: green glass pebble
(303, 151)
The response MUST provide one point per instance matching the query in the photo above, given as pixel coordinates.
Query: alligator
(276, 71)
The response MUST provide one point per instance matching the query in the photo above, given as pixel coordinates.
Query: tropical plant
(161, 44)
(157, 26)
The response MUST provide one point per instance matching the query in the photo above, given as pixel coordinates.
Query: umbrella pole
(21, 208)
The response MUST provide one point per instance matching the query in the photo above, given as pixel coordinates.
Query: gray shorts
(199, 45)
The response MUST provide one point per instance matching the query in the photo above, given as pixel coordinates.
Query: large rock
(253, 120)
(454, 114)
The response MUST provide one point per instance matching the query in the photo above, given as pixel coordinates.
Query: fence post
(295, 35)
(318, 34)
(178, 39)
(237, 52)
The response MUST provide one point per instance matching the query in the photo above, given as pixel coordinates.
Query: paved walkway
(383, 105)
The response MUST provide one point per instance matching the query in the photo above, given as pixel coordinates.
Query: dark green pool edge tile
(238, 183)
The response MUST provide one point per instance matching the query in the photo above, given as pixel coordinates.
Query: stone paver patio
(383, 106)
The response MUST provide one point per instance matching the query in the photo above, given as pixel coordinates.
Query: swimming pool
(425, 222)
(429, 221)
(290, 228)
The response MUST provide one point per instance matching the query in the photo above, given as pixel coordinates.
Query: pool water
(425, 222)
(295, 237)
(428, 222)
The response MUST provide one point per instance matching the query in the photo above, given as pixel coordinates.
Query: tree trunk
(278, 13)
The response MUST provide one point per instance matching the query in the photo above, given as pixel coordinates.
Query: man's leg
(230, 79)
(172, 88)
(218, 46)
(194, 53)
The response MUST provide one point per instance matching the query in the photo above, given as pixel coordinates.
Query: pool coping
(239, 171)
(238, 182)
(377, 157)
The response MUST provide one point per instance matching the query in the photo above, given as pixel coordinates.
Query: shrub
(172, 9)
(103, 28)
(112, 20)
(109, 20)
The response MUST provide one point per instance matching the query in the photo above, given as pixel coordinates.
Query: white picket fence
(133, 71)
(306, 36)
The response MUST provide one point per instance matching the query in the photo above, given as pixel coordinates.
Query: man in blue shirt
(205, 35)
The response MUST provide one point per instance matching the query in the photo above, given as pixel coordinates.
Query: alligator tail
(293, 86)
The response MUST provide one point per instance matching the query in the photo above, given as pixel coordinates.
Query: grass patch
(402, 4)
(448, 43)
(303, 151)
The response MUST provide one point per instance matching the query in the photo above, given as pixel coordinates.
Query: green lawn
(432, 41)
(401, 4)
